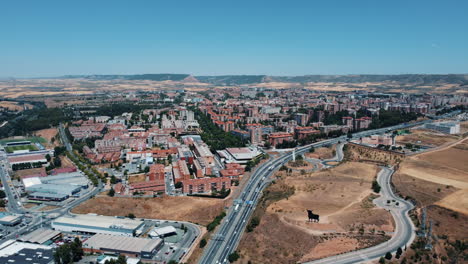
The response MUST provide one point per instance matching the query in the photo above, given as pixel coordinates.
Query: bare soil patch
(442, 168)
(136, 178)
(273, 241)
(192, 209)
(322, 153)
(341, 196)
(48, 208)
(425, 137)
(355, 152)
(48, 134)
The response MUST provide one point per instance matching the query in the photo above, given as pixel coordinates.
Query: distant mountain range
(419, 79)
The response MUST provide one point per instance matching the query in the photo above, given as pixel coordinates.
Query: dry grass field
(192, 209)
(48, 134)
(136, 178)
(355, 152)
(342, 197)
(438, 181)
(426, 138)
(322, 153)
(442, 169)
(14, 106)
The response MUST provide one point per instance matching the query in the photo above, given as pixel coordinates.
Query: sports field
(32, 139)
(21, 147)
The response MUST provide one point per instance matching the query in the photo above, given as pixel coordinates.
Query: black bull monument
(313, 217)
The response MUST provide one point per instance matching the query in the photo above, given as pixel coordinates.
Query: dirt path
(434, 178)
(440, 148)
(356, 201)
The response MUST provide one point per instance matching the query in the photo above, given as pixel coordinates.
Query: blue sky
(53, 38)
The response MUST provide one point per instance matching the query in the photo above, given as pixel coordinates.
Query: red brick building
(303, 132)
(279, 137)
(156, 172)
(205, 185)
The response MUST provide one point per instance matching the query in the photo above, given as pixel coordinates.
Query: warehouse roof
(49, 195)
(53, 188)
(242, 153)
(12, 247)
(162, 231)
(121, 243)
(39, 236)
(99, 221)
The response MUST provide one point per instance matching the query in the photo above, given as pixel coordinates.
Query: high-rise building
(256, 135)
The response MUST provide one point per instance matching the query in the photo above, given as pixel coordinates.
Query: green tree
(48, 158)
(388, 255)
(76, 249)
(203, 243)
(120, 260)
(111, 192)
(69, 252)
(57, 162)
(382, 260)
(2, 194)
(131, 216)
(398, 253)
(375, 186)
(233, 257)
(253, 224)
(113, 179)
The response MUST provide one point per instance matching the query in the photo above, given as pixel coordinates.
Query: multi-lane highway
(404, 228)
(228, 235)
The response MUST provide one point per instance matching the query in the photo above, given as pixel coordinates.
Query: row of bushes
(211, 226)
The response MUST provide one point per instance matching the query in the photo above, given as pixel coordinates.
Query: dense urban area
(233, 169)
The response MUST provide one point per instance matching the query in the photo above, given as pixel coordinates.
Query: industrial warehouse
(55, 188)
(97, 224)
(130, 246)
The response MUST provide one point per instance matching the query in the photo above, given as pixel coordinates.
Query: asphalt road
(228, 234)
(404, 228)
(39, 218)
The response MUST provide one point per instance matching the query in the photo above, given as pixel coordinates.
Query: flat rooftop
(99, 221)
(12, 247)
(118, 243)
(39, 236)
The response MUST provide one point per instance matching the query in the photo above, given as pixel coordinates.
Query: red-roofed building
(35, 158)
(119, 188)
(156, 172)
(362, 123)
(233, 174)
(235, 166)
(303, 132)
(205, 185)
(279, 137)
(347, 121)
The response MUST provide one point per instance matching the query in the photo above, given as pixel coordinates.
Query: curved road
(404, 228)
(229, 233)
